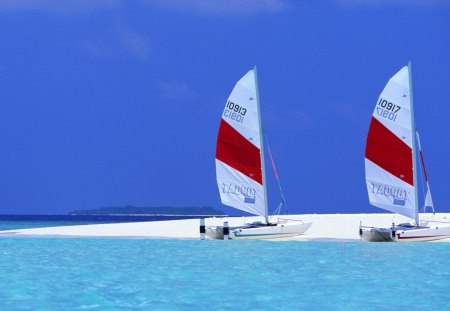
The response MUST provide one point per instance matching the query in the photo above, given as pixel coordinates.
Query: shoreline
(325, 227)
(121, 215)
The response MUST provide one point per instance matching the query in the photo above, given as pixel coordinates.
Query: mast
(261, 143)
(413, 146)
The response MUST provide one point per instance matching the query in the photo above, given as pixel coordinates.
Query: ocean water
(150, 274)
(10, 222)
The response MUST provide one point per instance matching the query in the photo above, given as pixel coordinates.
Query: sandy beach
(325, 227)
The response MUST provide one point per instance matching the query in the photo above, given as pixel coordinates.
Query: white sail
(389, 156)
(238, 152)
(428, 198)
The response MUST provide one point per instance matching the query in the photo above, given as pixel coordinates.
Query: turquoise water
(142, 274)
(11, 222)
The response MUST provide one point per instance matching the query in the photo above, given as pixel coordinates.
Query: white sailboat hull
(270, 232)
(423, 235)
(262, 232)
(404, 234)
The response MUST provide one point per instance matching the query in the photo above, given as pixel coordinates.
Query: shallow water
(130, 274)
(11, 222)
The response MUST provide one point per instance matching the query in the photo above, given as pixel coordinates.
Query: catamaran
(240, 168)
(390, 164)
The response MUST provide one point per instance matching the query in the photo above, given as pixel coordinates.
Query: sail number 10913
(236, 108)
(234, 112)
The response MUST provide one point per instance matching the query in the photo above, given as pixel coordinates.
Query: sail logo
(249, 200)
(387, 110)
(234, 112)
(245, 193)
(399, 202)
(397, 195)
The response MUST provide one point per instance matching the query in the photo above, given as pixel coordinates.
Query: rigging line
(283, 201)
(424, 209)
(278, 209)
(424, 174)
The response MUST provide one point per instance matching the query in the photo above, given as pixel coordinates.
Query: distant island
(163, 210)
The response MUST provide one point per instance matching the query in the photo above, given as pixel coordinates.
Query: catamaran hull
(270, 232)
(260, 233)
(215, 233)
(376, 234)
(423, 234)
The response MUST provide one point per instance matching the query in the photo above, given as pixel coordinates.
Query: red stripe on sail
(389, 152)
(236, 151)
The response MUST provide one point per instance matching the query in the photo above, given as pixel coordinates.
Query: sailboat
(240, 167)
(391, 166)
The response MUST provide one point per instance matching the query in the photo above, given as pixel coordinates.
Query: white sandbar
(325, 227)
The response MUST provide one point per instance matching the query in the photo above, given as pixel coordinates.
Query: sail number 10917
(387, 109)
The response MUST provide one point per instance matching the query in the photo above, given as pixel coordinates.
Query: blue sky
(114, 102)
